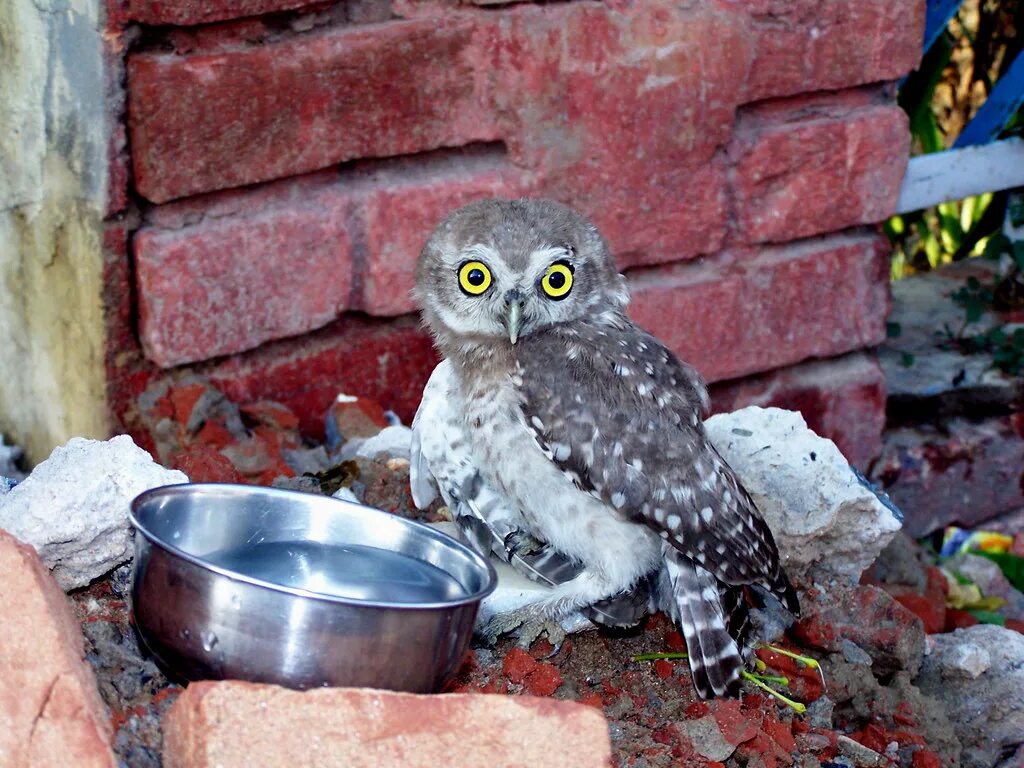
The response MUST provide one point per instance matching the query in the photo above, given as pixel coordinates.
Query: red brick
(225, 285)
(842, 399)
(932, 612)
(401, 209)
(518, 664)
(892, 635)
(210, 121)
(924, 758)
(233, 724)
(742, 313)
(356, 416)
(214, 435)
(49, 705)
(205, 465)
(204, 11)
(737, 726)
(620, 114)
(544, 680)
(806, 45)
(815, 164)
(959, 619)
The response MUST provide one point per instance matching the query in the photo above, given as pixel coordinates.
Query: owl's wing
(622, 418)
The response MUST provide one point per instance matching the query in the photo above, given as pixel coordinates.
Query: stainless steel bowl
(300, 590)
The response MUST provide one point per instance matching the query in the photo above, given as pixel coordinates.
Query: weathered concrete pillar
(53, 187)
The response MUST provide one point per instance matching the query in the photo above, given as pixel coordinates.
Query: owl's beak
(513, 320)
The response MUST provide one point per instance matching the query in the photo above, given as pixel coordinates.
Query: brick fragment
(931, 611)
(892, 635)
(50, 708)
(817, 163)
(964, 471)
(741, 313)
(231, 724)
(351, 417)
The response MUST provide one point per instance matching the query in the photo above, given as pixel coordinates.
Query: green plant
(940, 97)
(1003, 293)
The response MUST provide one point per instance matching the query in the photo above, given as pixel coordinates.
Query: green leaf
(988, 617)
(893, 330)
(1018, 254)
(995, 246)
(906, 359)
(975, 308)
(1011, 566)
(973, 283)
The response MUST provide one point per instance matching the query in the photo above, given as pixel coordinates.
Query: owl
(571, 441)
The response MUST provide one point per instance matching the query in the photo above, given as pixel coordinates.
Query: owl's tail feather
(736, 608)
(691, 597)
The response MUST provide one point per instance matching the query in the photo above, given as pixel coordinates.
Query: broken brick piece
(350, 417)
(50, 709)
(233, 724)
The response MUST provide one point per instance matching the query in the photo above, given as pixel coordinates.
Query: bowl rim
(175, 489)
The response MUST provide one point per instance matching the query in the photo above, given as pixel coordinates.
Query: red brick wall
(286, 168)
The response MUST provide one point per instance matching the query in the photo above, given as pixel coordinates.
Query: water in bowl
(350, 570)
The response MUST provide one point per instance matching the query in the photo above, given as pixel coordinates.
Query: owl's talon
(520, 542)
(530, 628)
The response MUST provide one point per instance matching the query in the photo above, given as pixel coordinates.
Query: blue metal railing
(1006, 96)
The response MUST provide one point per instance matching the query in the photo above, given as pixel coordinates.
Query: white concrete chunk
(394, 441)
(826, 522)
(73, 508)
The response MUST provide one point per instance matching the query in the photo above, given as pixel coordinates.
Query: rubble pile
(897, 685)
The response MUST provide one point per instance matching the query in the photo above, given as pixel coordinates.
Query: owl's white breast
(573, 521)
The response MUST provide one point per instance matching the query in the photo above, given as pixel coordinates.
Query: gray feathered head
(499, 270)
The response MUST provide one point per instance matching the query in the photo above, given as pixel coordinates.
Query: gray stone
(706, 737)
(73, 508)
(977, 674)
(827, 523)
(860, 755)
(941, 380)
(819, 712)
(853, 653)
(9, 456)
(394, 442)
(899, 563)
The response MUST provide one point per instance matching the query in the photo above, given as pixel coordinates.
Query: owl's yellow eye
(474, 278)
(557, 281)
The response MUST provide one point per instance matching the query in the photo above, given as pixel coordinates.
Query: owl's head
(500, 270)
